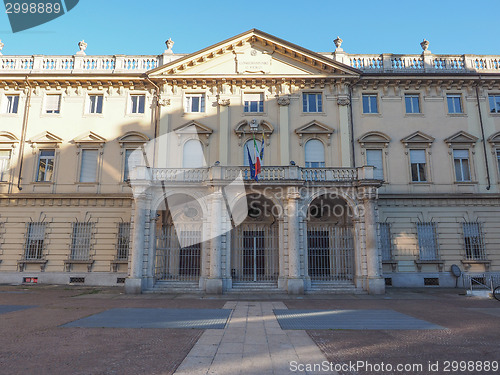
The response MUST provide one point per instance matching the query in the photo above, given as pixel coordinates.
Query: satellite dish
(455, 270)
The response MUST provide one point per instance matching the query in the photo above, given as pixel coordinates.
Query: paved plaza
(75, 330)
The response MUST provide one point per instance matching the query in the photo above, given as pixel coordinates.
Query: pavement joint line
(244, 349)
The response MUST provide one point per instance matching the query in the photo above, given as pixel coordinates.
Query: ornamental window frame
(462, 141)
(42, 142)
(130, 104)
(8, 142)
(4, 103)
(188, 103)
(260, 103)
(88, 104)
(379, 141)
(411, 96)
(496, 100)
(89, 141)
(46, 112)
(455, 95)
(419, 141)
(494, 141)
(370, 95)
(319, 102)
(130, 141)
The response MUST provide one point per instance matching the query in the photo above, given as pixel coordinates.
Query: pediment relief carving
(418, 138)
(316, 128)
(374, 137)
(253, 127)
(461, 137)
(194, 128)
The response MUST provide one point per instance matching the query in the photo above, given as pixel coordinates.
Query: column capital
(284, 100)
(368, 193)
(223, 102)
(293, 193)
(343, 100)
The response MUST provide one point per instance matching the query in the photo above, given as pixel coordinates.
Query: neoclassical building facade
(377, 170)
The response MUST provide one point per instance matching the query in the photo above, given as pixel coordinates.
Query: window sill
(68, 263)
(21, 264)
(116, 262)
(469, 262)
(314, 113)
(9, 114)
(437, 262)
(371, 114)
(457, 114)
(254, 114)
(465, 183)
(94, 115)
(421, 183)
(420, 114)
(86, 183)
(392, 263)
(43, 183)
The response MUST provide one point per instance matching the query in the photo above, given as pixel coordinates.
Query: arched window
(315, 154)
(251, 148)
(192, 154)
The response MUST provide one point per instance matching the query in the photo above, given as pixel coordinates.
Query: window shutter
(193, 155)
(374, 158)
(417, 156)
(461, 154)
(315, 151)
(253, 97)
(52, 103)
(88, 171)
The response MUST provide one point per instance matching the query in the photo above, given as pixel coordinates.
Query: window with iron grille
(81, 241)
(473, 241)
(35, 236)
(427, 241)
(122, 245)
(385, 243)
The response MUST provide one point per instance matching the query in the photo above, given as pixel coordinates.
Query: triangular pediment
(314, 127)
(418, 137)
(253, 53)
(461, 137)
(7, 137)
(374, 137)
(193, 127)
(89, 137)
(45, 137)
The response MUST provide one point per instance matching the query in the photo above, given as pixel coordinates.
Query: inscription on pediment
(253, 61)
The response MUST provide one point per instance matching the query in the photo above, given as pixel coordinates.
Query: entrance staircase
(175, 287)
(261, 287)
(333, 287)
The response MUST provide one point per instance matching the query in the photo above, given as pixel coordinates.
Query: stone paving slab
(495, 311)
(156, 318)
(349, 319)
(11, 308)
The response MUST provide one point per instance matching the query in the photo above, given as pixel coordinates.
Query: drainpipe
(23, 135)
(483, 140)
(155, 115)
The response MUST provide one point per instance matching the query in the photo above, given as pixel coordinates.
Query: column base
(376, 286)
(213, 286)
(295, 286)
(133, 286)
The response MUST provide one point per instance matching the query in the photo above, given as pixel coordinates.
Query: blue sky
(142, 26)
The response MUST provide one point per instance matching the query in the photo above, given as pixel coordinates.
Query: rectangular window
(53, 104)
(35, 235)
(126, 169)
(4, 165)
(498, 161)
(45, 165)
(412, 104)
(10, 104)
(462, 165)
(195, 103)
(137, 103)
(374, 158)
(454, 103)
(88, 170)
(385, 243)
(418, 165)
(370, 104)
(473, 241)
(427, 241)
(494, 103)
(81, 241)
(312, 102)
(122, 245)
(95, 104)
(253, 102)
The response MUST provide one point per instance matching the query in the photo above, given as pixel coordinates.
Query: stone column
(214, 282)
(284, 130)
(224, 131)
(376, 283)
(295, 283)
(134, 282)
(344, 131)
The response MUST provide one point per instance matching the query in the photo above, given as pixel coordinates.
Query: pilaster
(214, 282)
(295, 283)
(344, 131)
(224, 130)
(284, 130)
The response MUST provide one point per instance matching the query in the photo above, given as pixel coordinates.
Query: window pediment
(374, 137)
(418, 138)
(47, 139)
(246, 127)
(461, 137)
(495, 139)
(133, 138)
(89, 137)
(7, 138)
(314, 128)
(193, 128)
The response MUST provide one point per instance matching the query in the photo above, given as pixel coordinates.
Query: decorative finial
(82, 45)
(1, 46)
(338, 42)
(424, 44)
(170, 44)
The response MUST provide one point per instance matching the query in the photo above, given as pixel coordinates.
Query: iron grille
(330, 253)
(35, 237)
(77, 280)
(81, 241)
(255, 254)
(429, 281)
(385, 242)
(427, 241)
(123, 242)
(175, 262)
(474, 241)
